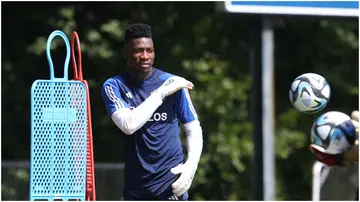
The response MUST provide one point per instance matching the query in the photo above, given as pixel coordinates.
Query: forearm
(129, 121)
(194, 141)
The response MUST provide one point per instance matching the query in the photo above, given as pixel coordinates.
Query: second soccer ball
(309, 93)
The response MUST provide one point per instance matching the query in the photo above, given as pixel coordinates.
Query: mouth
(145, 65)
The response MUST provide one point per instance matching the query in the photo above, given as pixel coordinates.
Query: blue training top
(156, 147)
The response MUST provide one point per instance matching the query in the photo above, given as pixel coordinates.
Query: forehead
(142, 43)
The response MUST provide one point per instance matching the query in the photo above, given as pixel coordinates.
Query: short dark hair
(137, 30)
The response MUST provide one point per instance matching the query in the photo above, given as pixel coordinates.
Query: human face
(140, 56)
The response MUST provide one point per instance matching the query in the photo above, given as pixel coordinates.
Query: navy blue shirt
(155, 148)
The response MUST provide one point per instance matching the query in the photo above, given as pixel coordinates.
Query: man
(147, 104)
(348, 157)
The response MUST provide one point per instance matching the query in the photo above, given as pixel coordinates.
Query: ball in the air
(334, 132)
(309, 93)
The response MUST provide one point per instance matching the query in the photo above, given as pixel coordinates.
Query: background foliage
(209, 48)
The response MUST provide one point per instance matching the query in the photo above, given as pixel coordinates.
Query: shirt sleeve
(112, 97)
(184, 108)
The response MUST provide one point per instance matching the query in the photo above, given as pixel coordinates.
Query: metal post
(268, 119)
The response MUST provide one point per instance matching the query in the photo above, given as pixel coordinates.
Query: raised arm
(129, 121)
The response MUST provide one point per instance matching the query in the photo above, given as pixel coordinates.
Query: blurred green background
(193, 40)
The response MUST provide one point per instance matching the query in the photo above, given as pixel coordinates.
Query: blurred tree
(209, 48)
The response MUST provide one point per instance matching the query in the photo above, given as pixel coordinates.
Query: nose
(144, 56)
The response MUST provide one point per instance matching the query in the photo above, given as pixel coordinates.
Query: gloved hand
(173, 84)
(183, 183)
(328, 159)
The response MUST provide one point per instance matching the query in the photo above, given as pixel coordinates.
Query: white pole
(268, 121)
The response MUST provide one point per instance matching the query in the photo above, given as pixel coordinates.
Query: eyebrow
(142, 47)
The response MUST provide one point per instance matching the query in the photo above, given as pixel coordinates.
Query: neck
(140, 75)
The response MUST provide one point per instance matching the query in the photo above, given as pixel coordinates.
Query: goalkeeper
(146, 104)
(348, 157)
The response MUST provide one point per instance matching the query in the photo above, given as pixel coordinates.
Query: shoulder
(114, 81)
(162, 75)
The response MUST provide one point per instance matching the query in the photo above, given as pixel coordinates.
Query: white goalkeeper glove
(183, 183)
(194, 144)
(173, 84)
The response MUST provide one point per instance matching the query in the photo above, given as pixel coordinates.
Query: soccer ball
(334, 132)
(309, 93)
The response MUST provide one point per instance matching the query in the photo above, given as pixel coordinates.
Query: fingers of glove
(176, 83)
(179, 182)
(182, 184)
(180, 191)
(317, 151)
(182, 188)
(183, 83)
(325, 158)
(315, 148)
(355, 115)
